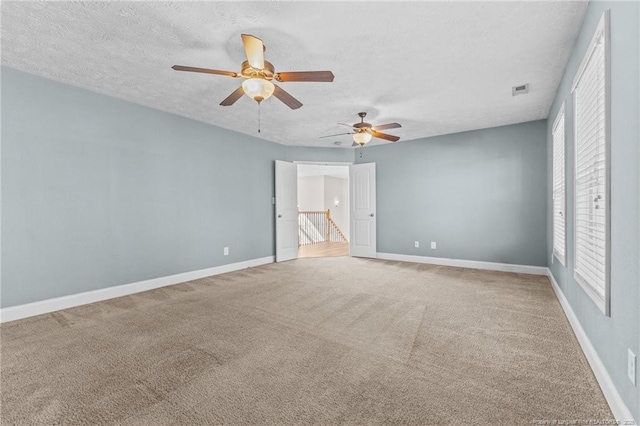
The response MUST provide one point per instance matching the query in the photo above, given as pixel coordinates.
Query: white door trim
(323, 163)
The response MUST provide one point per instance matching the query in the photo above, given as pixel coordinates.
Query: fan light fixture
(258, 89)
(361, 138)
(363, 132)
(259, 74)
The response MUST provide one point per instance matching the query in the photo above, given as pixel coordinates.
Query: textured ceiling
(435, 67)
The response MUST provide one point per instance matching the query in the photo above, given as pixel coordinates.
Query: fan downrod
(362, 125)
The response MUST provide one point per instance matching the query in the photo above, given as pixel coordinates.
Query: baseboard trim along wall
(617, 405)
(474, 264)
(13, 313)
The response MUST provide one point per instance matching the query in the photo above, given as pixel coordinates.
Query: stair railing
(318, 226)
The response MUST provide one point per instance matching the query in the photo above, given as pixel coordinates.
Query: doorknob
(371, 215)
(279, 215)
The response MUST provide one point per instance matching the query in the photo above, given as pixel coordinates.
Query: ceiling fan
(363, 132)
(258, 75)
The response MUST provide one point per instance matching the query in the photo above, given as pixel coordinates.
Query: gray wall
(479, 195)
(610, 336)
(98, 192)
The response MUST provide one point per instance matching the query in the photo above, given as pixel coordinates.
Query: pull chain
(258, 117)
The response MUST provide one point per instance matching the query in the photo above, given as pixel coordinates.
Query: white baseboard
(617, 405)
(475, 264)
(13, 313)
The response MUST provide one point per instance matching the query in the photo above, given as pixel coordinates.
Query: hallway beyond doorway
(323, 210)
(326, 249)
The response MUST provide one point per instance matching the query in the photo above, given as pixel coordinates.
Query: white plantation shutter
(559, 214)
(590, 92)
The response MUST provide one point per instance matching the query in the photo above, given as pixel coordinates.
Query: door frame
(331, 163)
(324, 163)
(338, 163)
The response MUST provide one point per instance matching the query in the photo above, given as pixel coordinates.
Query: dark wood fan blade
(337, 134)
(320, 76)
(204, 70)
(355, 144)
(232, 98)
(386, 126)
(286, 98)
(384, 136)
(254, 49)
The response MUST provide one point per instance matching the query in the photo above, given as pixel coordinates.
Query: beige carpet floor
(320, 341)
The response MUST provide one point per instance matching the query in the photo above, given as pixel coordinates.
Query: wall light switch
(226, 251)
(631, 369)
(433, 245)
(416, 244)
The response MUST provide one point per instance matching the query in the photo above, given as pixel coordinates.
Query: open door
(362, 181)
(286, 211)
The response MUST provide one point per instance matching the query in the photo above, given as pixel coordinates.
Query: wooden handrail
(338, 229)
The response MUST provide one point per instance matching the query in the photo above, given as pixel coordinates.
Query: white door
(362, 178)
(286, 211)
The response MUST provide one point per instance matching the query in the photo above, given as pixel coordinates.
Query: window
(559, 205)
(592, 180)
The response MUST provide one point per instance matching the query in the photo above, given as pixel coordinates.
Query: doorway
(361, 220)
(323, 210)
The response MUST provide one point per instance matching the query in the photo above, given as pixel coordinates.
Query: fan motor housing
(249, 72)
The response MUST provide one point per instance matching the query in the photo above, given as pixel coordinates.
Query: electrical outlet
(631, 367)
(226, 251)
(416, 244)
(433, 245)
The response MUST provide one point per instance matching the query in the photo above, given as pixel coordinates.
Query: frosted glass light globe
(361, 138)
(258, 89)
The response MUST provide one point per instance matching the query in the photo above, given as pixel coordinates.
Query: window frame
(562, 257)
(603, 302)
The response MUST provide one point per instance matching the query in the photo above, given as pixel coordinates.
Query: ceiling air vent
(520, 90)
